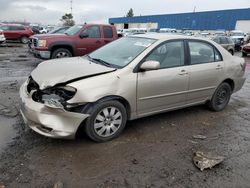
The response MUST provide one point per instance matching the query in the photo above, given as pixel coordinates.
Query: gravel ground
(155, 151)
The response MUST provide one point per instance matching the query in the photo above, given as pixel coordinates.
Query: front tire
(221, 97)
(61, 53)
(106, 122)
(24, 40)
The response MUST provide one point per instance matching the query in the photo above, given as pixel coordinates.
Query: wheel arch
(230, 82)
(120, 99)
(54, 46)
(90, 106)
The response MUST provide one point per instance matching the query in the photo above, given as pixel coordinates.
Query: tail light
(244, 66)
(1, 32)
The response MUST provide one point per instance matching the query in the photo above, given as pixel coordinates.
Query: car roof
(13, 24)
(164, 36)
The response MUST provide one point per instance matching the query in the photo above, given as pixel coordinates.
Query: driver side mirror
(150, 65)
(84, 35)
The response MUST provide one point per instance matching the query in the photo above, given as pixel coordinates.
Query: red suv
(16, 32)
(76, 41)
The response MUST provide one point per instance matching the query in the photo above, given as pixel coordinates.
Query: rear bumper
(238, 83)
(50, 122)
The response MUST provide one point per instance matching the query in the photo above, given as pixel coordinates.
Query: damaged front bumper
(48, 121)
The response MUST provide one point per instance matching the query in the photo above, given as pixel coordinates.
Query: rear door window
(201, 52)
(108, 32)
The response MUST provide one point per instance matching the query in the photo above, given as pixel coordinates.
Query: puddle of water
(7, 132)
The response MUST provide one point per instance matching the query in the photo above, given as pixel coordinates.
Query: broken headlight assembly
(55, 97)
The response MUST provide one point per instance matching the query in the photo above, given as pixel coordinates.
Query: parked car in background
(16, 32)
(246, 50)
(76, 41)
(43, 30)
(188, 33)
(2, 37)
(153, 30)
(226, 43)
(237, 44)
(130, 78)
(237, 35)
(35, 29)
(220, 33)
(204, 34)
(167, 30)
(59, 30)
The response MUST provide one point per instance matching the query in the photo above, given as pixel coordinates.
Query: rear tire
(221, 97)
(106, 122)
(231, 52)
(24, 40)
(61, 53)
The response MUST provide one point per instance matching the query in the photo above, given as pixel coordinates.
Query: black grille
(33, 42)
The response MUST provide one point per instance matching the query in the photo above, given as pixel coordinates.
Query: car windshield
(122, 51)
(73, 30)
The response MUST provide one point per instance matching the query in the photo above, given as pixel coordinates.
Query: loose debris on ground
(204, 160)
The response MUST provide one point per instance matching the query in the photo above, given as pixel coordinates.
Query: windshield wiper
(100, 61)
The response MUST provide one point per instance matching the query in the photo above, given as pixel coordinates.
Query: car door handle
(219, 67)
(183, 72)
(98, 42)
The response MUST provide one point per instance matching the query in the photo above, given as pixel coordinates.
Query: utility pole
(194, 8)
(71, 7)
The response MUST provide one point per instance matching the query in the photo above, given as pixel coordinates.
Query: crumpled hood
(56, 71)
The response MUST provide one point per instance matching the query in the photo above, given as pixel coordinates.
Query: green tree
(68, 20)
(130, 13)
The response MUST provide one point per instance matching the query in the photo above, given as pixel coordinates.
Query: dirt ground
(155, 151)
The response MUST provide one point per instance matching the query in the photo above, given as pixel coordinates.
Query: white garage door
(243, 25)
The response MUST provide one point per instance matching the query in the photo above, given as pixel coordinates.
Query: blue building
(209, 20)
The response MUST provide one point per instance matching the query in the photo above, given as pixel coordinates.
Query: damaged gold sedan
(130, 78)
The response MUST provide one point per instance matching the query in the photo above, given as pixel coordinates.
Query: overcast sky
(96, 11)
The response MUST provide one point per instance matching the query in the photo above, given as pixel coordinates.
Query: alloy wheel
(108, 121)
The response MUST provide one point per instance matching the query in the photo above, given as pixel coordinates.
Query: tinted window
(217, 40)
(4, 28)
(16, 28)
(92, 32)
(108, 32)
(223, 40)
(201, 53)
(170, 54)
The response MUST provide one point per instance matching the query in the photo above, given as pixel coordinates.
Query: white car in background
(2, 37)
(238, 35)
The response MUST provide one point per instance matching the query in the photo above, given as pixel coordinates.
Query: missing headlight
(55, 97)
(53, 101)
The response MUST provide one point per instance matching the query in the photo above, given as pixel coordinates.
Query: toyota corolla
(130, 78)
